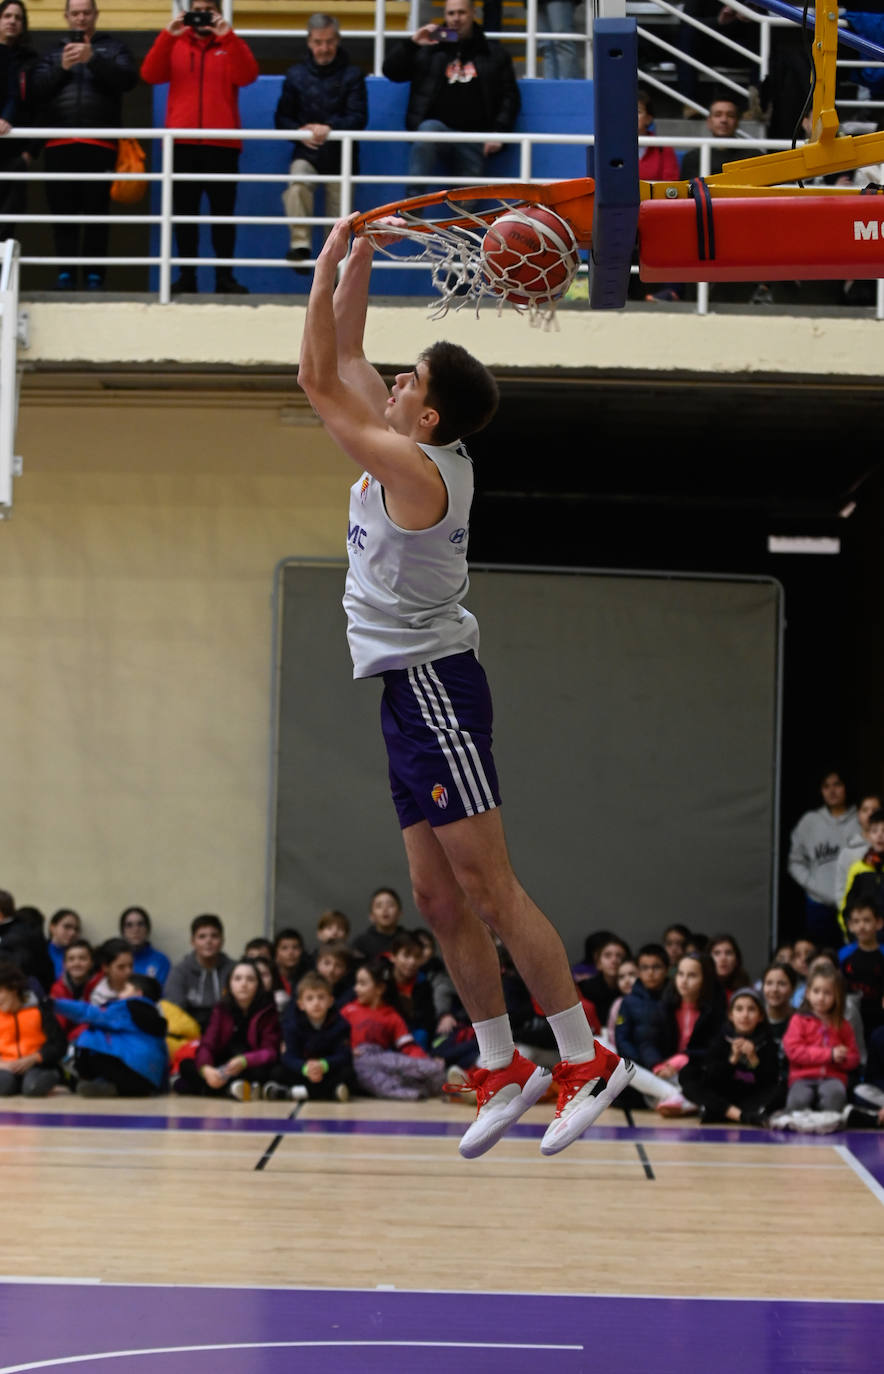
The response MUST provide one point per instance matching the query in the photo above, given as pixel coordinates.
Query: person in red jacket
(205, 64)
(240, 1046)
(387, 1059)
(819, 1044)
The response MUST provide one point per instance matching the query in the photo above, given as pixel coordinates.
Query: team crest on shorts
(440, 795)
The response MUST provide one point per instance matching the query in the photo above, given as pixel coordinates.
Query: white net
(459, 269)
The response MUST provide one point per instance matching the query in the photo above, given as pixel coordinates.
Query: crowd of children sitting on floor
(378, 1015)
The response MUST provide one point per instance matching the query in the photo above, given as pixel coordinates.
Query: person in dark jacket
(738, 1079)
(316, 1060)
(205, 64)
(240, 1047)
(24, 945)
(79, 84)
(324, 93)
(17, 62)
(461, 82)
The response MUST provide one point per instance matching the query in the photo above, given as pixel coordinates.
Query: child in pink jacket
(819, 1044)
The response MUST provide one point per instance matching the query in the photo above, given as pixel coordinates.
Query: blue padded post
(615, 161)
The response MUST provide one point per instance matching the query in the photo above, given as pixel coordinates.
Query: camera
(76, 36)
(199, 19)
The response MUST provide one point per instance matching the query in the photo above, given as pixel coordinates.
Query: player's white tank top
(404, 587)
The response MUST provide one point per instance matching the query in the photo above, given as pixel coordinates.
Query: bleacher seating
(547, 107)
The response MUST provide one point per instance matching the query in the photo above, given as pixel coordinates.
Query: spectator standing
(815, 845)
(461, 84)
(561, 59)
(865, 877)
(17, 62)
(325, 92)
(32, 1044)
(857, 845)
(79, 84)
(197, 981)
(135, 928)
(206, 65)
(24, 945)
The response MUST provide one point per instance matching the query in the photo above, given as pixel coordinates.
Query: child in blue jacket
(121, 1050)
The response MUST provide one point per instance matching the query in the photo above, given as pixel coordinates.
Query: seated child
(291, 959)
(819, 1044)
(121, 1050)
(412, 987)
(387, 1061)
(239, 1049)
(78, 980)
(334, 963)
(738, 1079)
(135, 927)
(450, 1013)
(316, 1059)
(197, 981)
(627, 973)
(116, 961)
(64, 925)
(333, 927)
(601, 989)
(804, 951)
(862, 963)
(32, 1044)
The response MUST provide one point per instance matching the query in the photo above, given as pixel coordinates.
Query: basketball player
(407, 542)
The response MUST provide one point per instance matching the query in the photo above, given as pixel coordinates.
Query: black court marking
(646, 1163)
(271, 1148)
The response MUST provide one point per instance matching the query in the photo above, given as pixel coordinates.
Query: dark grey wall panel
(636, 736)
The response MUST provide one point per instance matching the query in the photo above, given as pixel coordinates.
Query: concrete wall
(135, 635)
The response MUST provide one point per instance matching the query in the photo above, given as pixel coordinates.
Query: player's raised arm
(351, 308)
(349, 410)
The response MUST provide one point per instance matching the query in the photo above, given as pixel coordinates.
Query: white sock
(495, 1039)
(573, 1035)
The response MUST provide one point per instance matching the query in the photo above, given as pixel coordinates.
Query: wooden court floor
(374, 1196)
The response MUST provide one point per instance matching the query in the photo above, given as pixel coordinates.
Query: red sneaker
(585, 1090)
(502, 1095)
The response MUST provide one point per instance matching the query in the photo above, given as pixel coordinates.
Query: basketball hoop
(454, 242)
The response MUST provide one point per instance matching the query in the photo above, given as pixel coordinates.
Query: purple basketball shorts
(436, 720)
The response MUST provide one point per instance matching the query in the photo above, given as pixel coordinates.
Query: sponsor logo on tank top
(457, 537)
(356, 537)
(440, 796)
(363, 489)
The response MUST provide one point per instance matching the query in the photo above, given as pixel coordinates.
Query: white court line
(277, 1345)
(860, 1170)
(436, 1292)
(422, 1157)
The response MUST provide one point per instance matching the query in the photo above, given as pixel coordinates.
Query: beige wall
(135, 640)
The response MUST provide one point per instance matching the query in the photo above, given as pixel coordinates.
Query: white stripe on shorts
(456, 744)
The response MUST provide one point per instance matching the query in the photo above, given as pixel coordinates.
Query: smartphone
(447, 35)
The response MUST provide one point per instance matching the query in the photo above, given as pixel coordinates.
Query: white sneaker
(867, 1092)
(503, 1095)
(585, 1090)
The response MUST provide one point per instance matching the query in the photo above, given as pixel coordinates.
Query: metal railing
(164, 177)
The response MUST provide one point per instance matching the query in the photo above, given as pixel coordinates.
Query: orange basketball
(530, 255)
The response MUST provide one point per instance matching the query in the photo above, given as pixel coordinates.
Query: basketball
(530, 255)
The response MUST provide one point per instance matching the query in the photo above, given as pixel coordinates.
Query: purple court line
(266, 1125)
(263, 1331)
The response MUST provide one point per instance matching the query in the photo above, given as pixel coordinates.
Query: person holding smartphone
(79, 84)
(462, 82)
(205, 64)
